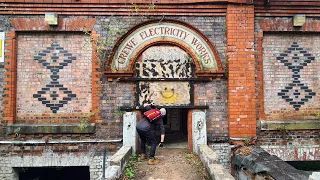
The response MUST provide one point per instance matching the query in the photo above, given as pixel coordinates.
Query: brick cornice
(138, 2)
(64, 24)
(281, 25)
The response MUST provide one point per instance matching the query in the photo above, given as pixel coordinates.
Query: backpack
(153, 114)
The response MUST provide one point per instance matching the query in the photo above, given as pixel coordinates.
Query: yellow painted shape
(1, 47)
(168, 97)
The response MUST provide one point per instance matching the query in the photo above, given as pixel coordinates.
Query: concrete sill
(290, 125)
(70, 128)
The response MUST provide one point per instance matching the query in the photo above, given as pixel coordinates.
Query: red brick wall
(240, 52)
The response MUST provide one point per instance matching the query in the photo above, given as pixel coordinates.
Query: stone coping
(259, 161)
(59, 141)
(210, 160)
(290, 125)
(71, 128)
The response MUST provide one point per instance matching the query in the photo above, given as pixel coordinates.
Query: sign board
(2, 39)
(164, 32)
(51, 18)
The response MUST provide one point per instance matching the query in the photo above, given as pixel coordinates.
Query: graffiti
(167, 93)
(164, 93)
(287, 153)
(164, 62)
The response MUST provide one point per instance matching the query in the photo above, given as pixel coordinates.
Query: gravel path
(175, 164)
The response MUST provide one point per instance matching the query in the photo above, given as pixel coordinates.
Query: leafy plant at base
(189, 155)
(130, 171)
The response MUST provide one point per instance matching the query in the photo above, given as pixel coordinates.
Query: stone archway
(164, 59)
(141, 37)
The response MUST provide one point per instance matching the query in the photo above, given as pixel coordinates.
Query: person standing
(146, 131)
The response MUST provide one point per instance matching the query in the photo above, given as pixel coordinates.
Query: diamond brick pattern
(54, 95)
(296, 93)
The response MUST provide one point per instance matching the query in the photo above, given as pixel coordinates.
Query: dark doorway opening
(305, 165)
(176, 125)
(54, 173)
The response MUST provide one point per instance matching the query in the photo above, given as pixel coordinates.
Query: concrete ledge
(112, 172)
(314, 176)
(71, 128)
(290, 125)
(121, 157)
(210, 161)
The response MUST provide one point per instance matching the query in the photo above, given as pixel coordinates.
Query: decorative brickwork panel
(291, 69)
(54, 77)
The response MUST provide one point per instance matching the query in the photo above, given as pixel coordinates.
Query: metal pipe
(104, 163)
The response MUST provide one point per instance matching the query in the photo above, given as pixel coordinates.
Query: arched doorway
(165, 58)
(164, 65)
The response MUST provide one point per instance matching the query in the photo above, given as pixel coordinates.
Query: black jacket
(145, 125)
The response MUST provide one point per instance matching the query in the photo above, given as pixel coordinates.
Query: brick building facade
(246, 64)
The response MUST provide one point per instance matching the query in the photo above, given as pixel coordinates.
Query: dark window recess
(54, 173)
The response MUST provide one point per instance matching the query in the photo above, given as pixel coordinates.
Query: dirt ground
(175, 164)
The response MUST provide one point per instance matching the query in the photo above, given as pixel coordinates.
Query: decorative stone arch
(154, 32)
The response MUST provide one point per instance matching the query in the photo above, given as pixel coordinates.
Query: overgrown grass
(195, 161)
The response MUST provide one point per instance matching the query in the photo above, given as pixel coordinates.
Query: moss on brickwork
(290, 125)
(49, 129)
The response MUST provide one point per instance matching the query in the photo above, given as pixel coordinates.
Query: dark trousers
(150, 136)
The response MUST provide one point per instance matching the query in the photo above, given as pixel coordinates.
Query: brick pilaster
(10, 78)
(241, 82)
(96, 78)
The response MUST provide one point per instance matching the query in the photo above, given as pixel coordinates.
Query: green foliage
(114, 29)
(102, 45)
(316, 114)
(247, 141)
(17, 132)
(189, 155)
(142, 10)
(85, 121)
(283, 130)
(195, 161)
(130, 171)
(119, 113)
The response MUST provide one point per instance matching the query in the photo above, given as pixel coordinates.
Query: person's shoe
(153, 161)
(143, 157)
